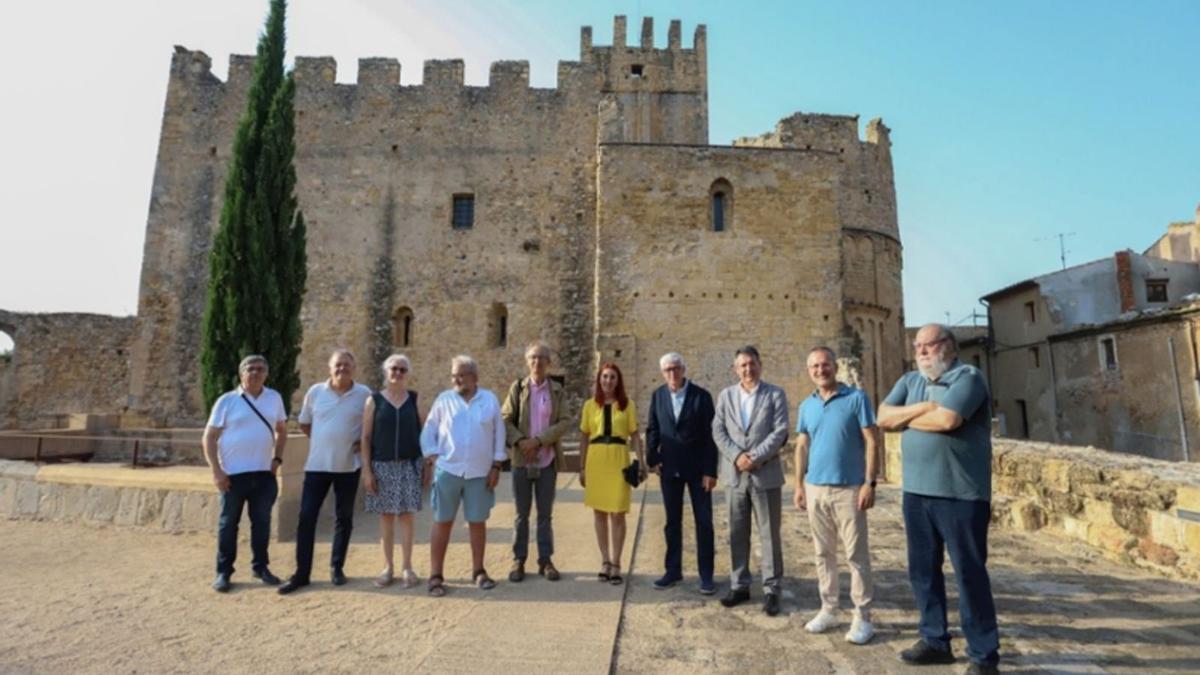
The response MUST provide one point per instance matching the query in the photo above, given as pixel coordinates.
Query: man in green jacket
(536, 418)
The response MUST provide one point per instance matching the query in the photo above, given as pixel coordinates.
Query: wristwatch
(872, 484)
(277, 459)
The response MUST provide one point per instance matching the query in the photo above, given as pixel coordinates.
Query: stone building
(446, 218)
(1102, 354)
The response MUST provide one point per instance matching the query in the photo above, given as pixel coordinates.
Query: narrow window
(720, 199)
(1035, 358)
(1030, 312)
(402, 327)
(1156, 290)
(1108, 353)
(463, 212)
(499, 325)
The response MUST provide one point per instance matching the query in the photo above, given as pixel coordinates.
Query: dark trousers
(257, 489)
(934, 526)
(525, 492)
(672, 492)
(316, 487)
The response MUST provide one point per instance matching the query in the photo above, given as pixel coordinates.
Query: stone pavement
(85, 599)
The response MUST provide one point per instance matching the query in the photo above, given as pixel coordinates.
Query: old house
(1101, 353)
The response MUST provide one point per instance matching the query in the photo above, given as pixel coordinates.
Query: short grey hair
(252, 359)
(538, 347)
(394, 359)
(671, 357)
(828, 350)
(466, 362)
(748, 350)
(342, 351)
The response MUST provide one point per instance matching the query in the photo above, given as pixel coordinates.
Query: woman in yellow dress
(609, 427)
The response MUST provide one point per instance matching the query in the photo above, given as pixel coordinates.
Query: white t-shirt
(746, 402)
(246, 444)
(337, 421)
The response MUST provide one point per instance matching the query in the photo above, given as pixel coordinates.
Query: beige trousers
(834, 515)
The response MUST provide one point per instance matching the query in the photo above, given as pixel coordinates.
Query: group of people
(458, 450)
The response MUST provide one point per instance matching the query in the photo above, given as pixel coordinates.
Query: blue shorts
(448, 490)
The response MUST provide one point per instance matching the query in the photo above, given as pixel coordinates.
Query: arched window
(720, 205)
(498, 325)
(402, 327)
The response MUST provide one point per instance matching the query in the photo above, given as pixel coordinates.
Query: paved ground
(81, 599)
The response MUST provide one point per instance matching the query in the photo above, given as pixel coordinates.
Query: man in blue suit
(680, 449)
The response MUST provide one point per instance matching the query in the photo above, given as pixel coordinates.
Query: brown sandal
(437, 585)
(603, 574)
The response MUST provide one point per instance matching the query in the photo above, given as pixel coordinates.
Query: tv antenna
(1062, 245)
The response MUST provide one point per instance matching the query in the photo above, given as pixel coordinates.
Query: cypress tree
(257, 266)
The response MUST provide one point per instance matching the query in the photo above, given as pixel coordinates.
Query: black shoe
(923, 654)
(293, 584)
(982, 669)
(771, 604)
(267, 578)
(337, 577)
(735, 596)
(517, 573)
(666, 581)
(221, 584)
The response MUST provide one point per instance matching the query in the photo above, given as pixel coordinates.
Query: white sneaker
(860, 632)
(823, 621)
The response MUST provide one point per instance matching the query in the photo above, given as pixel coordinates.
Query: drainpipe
(1053, 390)
(1183, 435)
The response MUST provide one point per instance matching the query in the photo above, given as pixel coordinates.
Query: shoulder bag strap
(260, 415)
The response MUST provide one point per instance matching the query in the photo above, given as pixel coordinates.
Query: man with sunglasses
(944, 410)
(243, 444)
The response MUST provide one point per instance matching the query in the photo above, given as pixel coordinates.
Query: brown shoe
(548, 570)
(517, 573)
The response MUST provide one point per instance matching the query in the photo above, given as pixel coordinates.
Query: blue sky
(1011, 121)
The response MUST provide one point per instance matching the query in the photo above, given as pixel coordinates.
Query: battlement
(644, 67)
(622, 68)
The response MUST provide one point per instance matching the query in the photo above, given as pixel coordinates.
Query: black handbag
(633, 473)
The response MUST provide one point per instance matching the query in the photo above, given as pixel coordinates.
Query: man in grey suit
(750, 427)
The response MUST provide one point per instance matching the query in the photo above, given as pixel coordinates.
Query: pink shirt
(539, 417)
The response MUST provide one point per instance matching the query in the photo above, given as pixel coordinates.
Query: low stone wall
(1136, 510)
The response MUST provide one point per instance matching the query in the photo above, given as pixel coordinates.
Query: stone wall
(1134, 510)
(63, 364)
(178, 499)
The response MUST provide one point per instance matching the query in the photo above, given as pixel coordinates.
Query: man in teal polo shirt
(836, 461)
(945, 412)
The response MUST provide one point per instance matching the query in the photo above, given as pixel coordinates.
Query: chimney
(1125, 281)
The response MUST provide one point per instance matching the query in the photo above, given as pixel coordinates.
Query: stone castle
(446, 218)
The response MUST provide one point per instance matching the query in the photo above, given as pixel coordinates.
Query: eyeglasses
(255, 369)
(398, 369)
(672, 369)
(918, 346)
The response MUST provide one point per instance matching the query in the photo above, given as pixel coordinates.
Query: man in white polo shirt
(243, 444)
(466, 433)
(332, 418)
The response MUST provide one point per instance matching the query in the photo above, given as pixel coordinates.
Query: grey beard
(936, 370)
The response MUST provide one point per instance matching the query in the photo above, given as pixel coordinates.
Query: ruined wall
(64, 364)
(1133, 510)
(667, 282)
(1135, 407)
(1181, 242)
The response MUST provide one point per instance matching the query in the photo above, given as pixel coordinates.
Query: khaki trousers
(834, 515)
